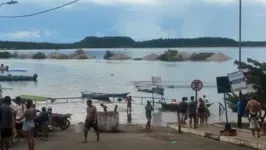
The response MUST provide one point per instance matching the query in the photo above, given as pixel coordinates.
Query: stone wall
(108, 121)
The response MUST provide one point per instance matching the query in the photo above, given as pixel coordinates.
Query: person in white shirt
(19, 111)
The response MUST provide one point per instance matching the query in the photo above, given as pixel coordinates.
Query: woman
(28, 125)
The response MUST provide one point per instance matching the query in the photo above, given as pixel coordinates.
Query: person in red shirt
(129, 104)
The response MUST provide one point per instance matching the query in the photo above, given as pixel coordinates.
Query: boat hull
(96, 97)
(18, 78)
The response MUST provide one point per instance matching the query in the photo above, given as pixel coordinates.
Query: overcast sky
(139, 19)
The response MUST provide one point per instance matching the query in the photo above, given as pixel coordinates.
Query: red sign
(196, 85)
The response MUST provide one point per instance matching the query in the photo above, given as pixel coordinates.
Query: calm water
(63, 78)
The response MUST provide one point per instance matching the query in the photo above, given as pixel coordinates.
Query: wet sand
(132, 138)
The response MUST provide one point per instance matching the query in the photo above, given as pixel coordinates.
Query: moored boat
(18, 78)
(173, 106)
(97, 96)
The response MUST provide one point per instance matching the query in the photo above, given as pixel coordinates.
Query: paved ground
(134, 137)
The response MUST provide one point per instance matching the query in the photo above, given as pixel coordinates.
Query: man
(253, 111)
(148, 110)
(6, 123)
(201, 109)
(91, 121)
(44, 121)
(19, 111)
(129, 104)
(183, 108)
(192, 112)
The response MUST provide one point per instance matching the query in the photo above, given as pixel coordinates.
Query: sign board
(196, 85)
(237, 81)
(156, 80)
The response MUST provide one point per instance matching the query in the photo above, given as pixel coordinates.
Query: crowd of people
(18, 119)
(196, 111)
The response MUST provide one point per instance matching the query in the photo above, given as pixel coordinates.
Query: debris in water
(174, 142)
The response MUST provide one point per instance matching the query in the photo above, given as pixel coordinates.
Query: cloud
(25, 34)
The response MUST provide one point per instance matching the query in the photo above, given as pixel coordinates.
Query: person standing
(91, 121)
(44, 121)
(129, 104)
(201, 111)
(192, 112)
(183, 108)
(6, 123)
(19, 109)
(28, 125)
(148, 110)
(253, 112)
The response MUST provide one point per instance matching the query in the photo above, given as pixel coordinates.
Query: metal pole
(239, 117)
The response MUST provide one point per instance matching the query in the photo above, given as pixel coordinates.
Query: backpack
(201, 108)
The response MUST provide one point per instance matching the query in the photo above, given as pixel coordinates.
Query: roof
(150, 57)
(33, 97)
(218, 57)
(119, 56)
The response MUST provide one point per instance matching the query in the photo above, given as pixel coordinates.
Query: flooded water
(67, 78)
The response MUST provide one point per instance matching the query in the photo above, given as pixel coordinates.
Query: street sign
(237, 81)
(196, 85)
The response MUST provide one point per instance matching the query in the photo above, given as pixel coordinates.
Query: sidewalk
(243, 138)
(133, 138)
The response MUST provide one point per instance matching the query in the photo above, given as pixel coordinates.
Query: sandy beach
(133, 137)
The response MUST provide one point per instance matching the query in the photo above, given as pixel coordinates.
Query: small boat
(18, 78)
(117, 95)
(156, 90)
(173, 106)
(97, 96)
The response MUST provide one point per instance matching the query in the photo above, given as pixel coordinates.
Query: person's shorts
(148, 117)
(183, 115)
(28, 125)
(6, 133)
(192, 115)
(91, 124)
(19, 126)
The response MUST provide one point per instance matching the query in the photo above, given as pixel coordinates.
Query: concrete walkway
(134, 138)
(243, 138)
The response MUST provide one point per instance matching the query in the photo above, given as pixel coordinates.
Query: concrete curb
(222, 126)
(227, 139)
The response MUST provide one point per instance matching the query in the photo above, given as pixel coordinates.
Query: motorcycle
(61, 120)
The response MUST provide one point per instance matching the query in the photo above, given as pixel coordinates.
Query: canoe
(18, 78)
(96, 96)
(173, 106)
(157, 90)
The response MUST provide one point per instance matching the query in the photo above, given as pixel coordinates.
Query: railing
(142, 99)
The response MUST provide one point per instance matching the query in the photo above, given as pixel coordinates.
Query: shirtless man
(91, 121)
(253, 111)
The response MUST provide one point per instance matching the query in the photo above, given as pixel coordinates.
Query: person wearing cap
(148, 110)
(6, 123)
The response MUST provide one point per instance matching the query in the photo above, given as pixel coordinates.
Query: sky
(138, 19)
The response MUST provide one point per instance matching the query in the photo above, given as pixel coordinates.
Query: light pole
(11, 2)
(239, 117)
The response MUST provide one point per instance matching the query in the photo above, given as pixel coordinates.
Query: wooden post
(115, 108)
(179, 121)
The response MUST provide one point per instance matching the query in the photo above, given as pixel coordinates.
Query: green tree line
(127, 42)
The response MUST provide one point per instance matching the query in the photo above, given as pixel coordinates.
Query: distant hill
(127, 42)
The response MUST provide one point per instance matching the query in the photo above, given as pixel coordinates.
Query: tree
(255, 74)
(38, 55)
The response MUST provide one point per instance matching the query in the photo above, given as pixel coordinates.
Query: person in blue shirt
(148, 110)
(44, 120)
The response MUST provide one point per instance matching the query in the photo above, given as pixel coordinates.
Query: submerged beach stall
(34, 98)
